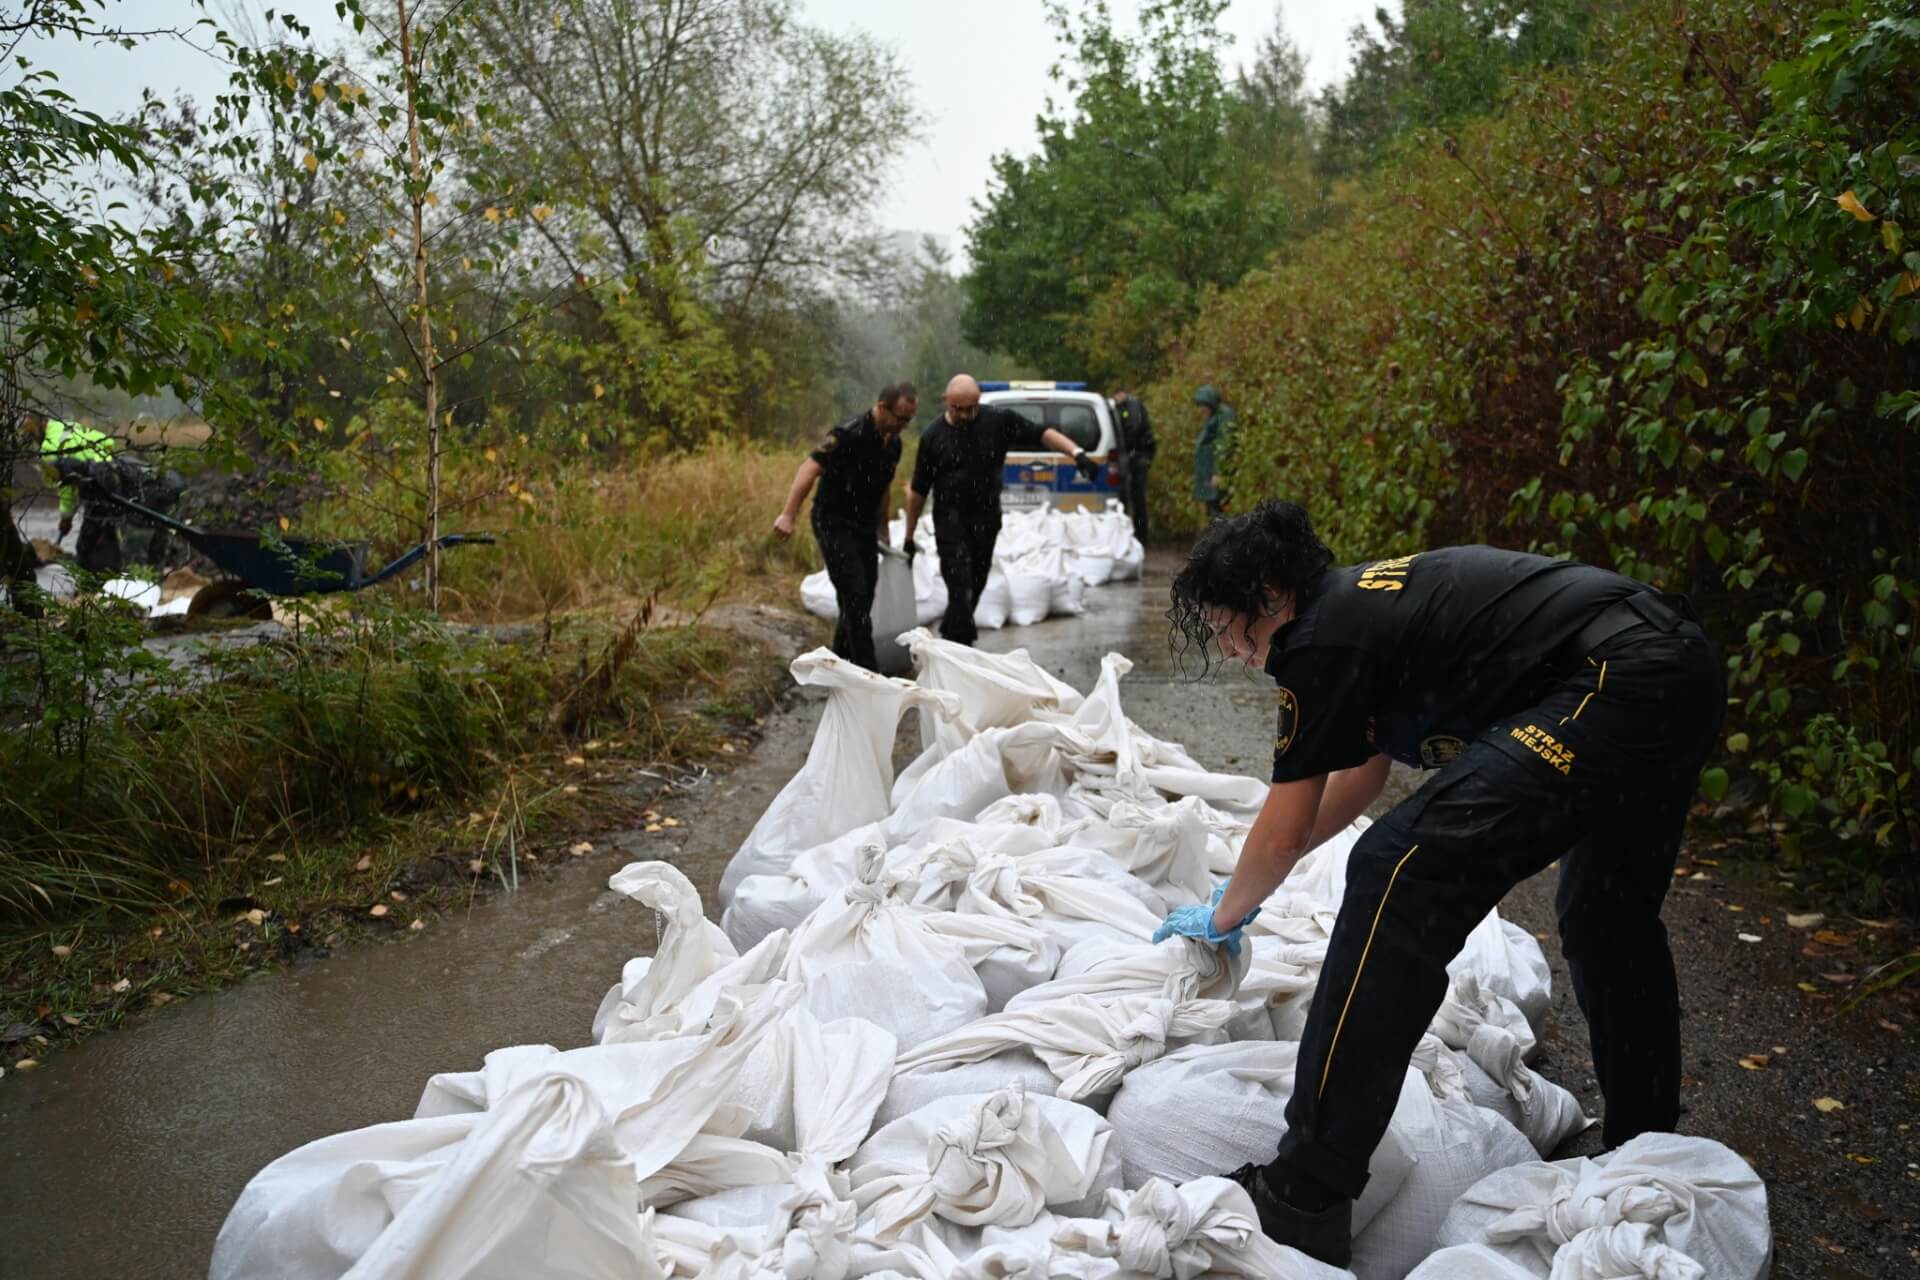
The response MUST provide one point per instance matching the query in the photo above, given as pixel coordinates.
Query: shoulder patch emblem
(1441, 749)
(1289, 721)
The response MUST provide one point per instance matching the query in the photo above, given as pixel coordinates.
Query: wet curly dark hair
(1241, 564)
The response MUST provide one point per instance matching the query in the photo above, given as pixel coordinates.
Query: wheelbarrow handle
(408, 559)
(186, 531)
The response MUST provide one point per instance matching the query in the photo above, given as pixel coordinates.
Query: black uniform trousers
(1599, 773)
(964, 538)
(852, 553)
(1136, 495)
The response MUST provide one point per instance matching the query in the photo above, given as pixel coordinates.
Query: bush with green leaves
(1662, 316)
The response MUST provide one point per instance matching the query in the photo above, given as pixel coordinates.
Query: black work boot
(1299, 1211)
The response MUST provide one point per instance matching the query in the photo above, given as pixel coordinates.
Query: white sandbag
(691, 948)
(1067, 595)
(1626, 1213)
(1030, 598)
(1178, 969)
(848, 771)
(1010, 956)
(997, 1159)
(1509, 962)
(1207, 1226)
(1208, 1109)
(1163, 844)
(1454, 1144)
(894, 614)
(142, 597)
(1088, 1043)
(995, 691)
(555, 1158)
(991, 609)
(711, 1163)
(813, 1086)
(817, 596)
(910, 1090)
(1496, 1039)
(1476, 1262)
(1069, 894)
(1094, 568)
(849, 957)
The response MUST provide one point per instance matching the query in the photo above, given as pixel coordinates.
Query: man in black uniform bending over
(854, 466)
(1568, 711)
(962, 456)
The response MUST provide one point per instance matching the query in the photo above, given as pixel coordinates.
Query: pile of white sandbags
(934, 1039)
(1043, 563)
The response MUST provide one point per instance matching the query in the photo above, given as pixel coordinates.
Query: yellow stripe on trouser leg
(1326, 1070)
(1582, 707)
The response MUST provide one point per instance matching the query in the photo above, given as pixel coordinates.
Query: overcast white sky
(979, 70)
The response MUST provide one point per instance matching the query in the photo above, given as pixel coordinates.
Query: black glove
(912, 549)
(1087, 466)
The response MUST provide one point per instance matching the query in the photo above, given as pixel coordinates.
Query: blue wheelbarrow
(269, 566)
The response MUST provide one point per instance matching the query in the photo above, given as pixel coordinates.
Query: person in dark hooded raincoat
(1211, 451)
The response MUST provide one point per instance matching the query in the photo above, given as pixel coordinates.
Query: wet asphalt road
(122, 1156)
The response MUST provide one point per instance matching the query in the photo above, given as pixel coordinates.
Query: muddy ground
(121, 1157)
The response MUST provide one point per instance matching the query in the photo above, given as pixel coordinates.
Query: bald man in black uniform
(1567, 711)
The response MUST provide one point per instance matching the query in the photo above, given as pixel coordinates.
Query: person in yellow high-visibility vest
(67, 449)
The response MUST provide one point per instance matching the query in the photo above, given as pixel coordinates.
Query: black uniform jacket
(857, 464)
(1417, 656)
(960, 467)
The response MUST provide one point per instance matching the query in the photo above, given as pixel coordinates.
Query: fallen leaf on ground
(1840, 977)
(1699, 875)
(161, 997)
(1541, 935)
(727, 748)
(155, 932)
(1827, 1106)
(276, 857)
(476, 866)
(365, 864)
(1708, 862)
(669, 822)
(1828, 938)
(1876, 924)
(1755, 1062)
(576, 759)
(25, 1064)
(1734, 906)
(1750, 937)
(1807, 986)
(378, 909)
(654, 827)
(649, 815)
(417, 925)
(268, 884)
(397, 896)
(593, 746)
(255, 916)
(63, 951)
(1857, 1158)
(1766, 919)
(125, 984)
(570, 788)
(580, 848)
(70, 1019)
(1894, 1027)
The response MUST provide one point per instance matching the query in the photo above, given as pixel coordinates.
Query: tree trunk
(417, 198)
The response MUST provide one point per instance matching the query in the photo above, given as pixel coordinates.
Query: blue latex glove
(1196, 921)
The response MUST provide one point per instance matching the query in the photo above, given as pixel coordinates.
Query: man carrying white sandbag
(1568, 711)
(960, 464)
(854, 467)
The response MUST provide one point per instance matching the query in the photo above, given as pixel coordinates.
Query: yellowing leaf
(1755, 1062)
(283, 524)
(1811, 920)
(1851, 203)
(123, 986)
(365, 864)
(289, 81)
(63, 951)
(311, 161)
(491, 214)
(491, 456)
(378, 909)
(1909, 283)
(1859, 314)
(25, 1064)
(1827, 1106)
(255, 916)
(319, 92)
(598, 391)
(276, 857)
(580, 849)
(542, 212)
(417, 925)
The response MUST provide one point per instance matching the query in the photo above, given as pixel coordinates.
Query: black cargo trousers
(964, 538)
(852, 553)
(1599, 773)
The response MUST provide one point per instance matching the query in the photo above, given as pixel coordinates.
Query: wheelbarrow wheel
(229, 598)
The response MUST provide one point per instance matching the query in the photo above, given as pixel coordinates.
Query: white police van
(1047, 479)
